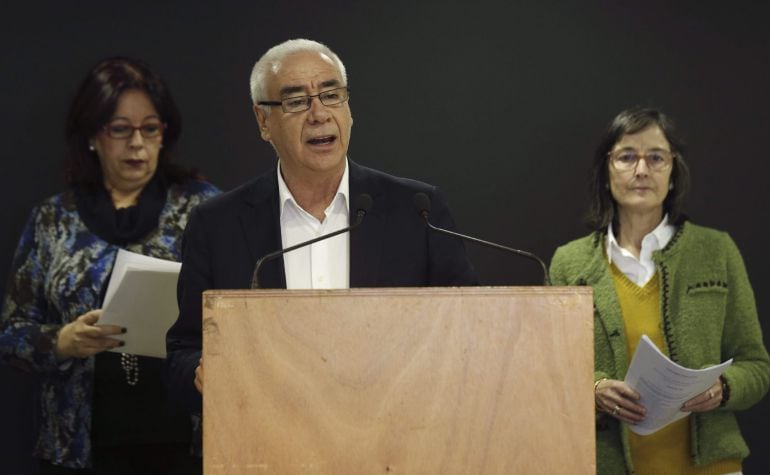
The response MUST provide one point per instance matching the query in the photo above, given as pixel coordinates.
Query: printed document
(141, 297)
(664, 385)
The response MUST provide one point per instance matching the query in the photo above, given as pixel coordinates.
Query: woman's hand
(199, 376)
(617, 399)
(708, 400)
(82, 337)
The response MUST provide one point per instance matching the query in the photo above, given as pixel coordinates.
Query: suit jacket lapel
(366, 241)
(260, 223)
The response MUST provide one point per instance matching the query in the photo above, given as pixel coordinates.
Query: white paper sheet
(664, 385)
(141, 296)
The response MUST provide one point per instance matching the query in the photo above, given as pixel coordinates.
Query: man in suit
(300, 96)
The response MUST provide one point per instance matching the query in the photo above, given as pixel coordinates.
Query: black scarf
(125, 225)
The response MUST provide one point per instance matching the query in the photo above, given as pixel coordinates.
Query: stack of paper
(141, 297)
(664, 385)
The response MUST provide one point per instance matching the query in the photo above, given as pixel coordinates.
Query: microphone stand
(422, 202)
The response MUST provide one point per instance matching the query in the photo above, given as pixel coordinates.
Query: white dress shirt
(325, 264)
(641, 270)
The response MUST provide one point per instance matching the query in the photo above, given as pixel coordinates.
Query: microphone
(361, 203)
(422, 203)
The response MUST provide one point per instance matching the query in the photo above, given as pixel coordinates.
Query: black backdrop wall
(500, 104)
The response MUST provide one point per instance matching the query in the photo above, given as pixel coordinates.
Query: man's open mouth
(323, 140)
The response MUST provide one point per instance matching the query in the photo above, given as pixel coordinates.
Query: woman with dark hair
(655, 273)
(102, 412)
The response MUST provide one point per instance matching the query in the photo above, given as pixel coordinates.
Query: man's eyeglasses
(121, 129)
(332, 97)
(627, 159)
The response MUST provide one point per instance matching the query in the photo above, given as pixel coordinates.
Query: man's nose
(318, 112)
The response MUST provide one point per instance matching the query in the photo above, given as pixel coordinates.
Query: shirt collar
(657, 239)
(285, 197)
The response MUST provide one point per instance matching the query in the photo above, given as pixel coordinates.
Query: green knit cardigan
(709, 315)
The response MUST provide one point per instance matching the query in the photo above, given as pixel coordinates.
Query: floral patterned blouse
(58, 273)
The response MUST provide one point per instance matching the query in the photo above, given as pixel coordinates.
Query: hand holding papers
(141, 296)
(664, 385)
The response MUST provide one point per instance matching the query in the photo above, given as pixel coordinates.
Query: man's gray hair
(270, 62)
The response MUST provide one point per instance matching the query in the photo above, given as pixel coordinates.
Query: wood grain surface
(399, 381)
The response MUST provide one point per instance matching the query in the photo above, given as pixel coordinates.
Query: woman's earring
(91, 147)
(671, 185)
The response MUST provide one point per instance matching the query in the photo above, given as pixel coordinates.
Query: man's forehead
(304, 62)
(299, 69)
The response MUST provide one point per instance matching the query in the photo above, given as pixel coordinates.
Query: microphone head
(362, 203)
(422, 203)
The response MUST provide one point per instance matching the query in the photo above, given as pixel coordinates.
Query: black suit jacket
(226, 235)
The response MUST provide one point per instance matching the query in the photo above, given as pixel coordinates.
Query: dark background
(500, 104)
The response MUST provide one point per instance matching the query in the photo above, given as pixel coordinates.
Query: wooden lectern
(473, 380)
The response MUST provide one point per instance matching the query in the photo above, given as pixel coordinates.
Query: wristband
(596, 385)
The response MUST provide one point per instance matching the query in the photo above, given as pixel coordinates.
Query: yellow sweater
(667, 451)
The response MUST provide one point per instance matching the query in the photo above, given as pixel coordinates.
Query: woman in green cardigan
(685, 286)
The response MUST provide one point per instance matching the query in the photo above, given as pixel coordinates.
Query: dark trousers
(156, 459)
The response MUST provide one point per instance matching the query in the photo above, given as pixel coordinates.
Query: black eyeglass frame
(308, 100)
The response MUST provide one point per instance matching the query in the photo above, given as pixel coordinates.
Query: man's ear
(264, 129)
